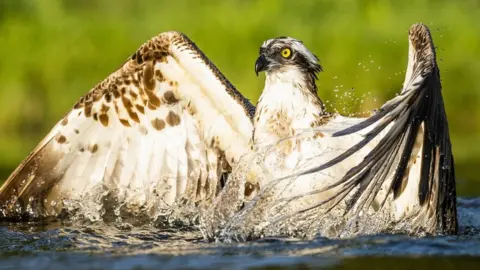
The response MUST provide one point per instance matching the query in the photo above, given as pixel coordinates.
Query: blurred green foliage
(54, 51)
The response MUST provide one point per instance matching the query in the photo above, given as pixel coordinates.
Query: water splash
(55, 245)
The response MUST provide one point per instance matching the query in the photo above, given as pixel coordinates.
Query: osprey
(168, 126)
(395, 167)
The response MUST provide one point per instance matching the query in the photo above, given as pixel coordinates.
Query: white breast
(285, 96)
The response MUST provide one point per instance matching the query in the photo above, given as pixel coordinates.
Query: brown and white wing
(411, 150)
(166, 125)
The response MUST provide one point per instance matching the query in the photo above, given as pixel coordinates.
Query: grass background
(53, 51)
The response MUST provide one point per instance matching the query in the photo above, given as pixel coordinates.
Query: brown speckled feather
(155, 128)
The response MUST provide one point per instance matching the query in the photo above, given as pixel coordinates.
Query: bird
(396, 165)
(169, 126)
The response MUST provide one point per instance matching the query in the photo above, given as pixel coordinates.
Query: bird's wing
(167, 123)
(408, 129)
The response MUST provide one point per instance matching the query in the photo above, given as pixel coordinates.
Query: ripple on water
(50, 245)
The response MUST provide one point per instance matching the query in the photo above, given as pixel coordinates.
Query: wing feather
(409, 131)
(153, 131)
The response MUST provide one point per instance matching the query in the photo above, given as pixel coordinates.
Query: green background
(54, 51)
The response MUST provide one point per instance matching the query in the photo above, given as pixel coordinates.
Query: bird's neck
(288, 103)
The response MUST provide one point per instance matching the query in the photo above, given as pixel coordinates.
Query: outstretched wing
(412, 150)
(166, 124)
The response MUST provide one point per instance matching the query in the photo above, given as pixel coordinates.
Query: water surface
(60, 245)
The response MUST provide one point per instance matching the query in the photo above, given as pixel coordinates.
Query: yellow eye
(286, 53)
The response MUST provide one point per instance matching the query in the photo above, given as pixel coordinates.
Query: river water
(98, 245)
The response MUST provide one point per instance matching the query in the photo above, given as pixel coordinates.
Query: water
(83, 245)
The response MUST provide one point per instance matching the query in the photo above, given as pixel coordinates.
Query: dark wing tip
(419, 35)
(421, 43)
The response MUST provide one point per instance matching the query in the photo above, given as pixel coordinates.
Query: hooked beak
(261, 64)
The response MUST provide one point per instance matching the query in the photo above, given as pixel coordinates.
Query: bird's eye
(286, 53)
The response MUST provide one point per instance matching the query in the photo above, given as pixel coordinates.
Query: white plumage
(160, 127)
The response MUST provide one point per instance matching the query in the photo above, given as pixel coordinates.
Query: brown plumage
(148, 105)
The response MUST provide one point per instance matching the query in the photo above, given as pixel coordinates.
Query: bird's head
(284, 55)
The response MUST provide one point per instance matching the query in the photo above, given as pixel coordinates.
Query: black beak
(261, 64)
